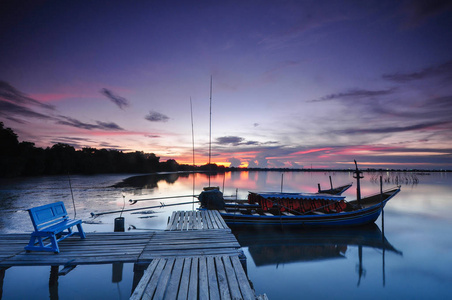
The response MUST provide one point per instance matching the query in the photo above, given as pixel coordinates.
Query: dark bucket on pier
(119, 224)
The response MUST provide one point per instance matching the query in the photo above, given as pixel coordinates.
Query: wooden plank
(181, 221)
(193, 286)
(215, 216)
(206, 220)
(154, 280)
(192, 220)
(232, 279)
(203, 292)
(177, 223)
(186, 220)
(222, 222)
(198, 220)
(214, 293)
(188, 253)
(222, 280)
(185, 280)
(139, 289)
(173, 285)
(244, 284)
(212, 219)
(164, 279)
(171, 221)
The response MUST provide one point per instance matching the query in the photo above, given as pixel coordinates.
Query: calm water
(411, 261)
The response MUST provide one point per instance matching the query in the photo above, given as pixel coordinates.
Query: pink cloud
(52, 97)
(311, 151)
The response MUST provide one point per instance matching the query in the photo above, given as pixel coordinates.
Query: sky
(295, 84)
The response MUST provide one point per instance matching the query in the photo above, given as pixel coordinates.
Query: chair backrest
(47, 215)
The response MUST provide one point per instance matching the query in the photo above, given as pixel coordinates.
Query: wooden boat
(300, 209)
(335, 191)
(335, 211)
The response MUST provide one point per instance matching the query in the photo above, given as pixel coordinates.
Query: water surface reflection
(274, 246)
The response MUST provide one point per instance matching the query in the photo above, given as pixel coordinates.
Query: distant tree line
(24, 159)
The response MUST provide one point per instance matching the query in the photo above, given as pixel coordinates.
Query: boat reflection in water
(276, 245)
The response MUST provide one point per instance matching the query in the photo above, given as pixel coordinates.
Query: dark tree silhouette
(24, 159)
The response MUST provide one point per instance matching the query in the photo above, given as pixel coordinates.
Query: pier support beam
(138, 271)
(53, 283)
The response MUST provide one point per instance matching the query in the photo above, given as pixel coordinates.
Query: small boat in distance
(335, 191)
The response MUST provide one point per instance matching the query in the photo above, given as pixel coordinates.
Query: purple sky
(295, 83)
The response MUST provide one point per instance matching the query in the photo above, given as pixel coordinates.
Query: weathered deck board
(196, 220)
(96, 248)
(120, 247)
(190, 243)
(207, 279)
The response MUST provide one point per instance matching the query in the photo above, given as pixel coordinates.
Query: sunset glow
(296, 84)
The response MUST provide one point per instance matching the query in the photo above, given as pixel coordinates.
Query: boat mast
(358, 175)
(210, 130)
(193, 146)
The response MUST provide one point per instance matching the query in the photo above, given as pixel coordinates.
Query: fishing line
(72, 194)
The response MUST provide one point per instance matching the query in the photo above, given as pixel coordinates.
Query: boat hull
(339, 219)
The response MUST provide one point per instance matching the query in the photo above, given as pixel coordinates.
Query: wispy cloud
(79, 143)
(395, 129)
(234, 140)
(121, 102)
(16, 106)
(154, 116)
(225, 140)
(8, 108)
(355, 94)
(10, 94)
(444, 69)
(78, 124)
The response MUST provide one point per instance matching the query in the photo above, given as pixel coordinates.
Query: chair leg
(54, 244)
(80, 231)
(31, 243)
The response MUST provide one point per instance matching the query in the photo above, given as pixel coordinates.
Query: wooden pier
(196, 255)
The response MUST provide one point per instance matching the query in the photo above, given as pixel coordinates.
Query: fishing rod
(132, 202)
(138, 208)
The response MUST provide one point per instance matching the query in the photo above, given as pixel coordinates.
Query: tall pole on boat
(282, 181)
(331, 182)
(382, 229)
(358, 175)
(382, 206)
(210, 128)
(193, 146)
